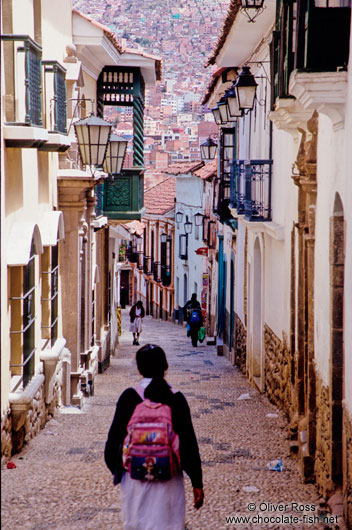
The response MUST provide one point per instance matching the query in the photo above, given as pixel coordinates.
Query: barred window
(23, 319)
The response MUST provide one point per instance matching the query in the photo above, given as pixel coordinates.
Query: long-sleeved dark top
(182, 424)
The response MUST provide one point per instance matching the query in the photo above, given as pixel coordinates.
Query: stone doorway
(337, 273)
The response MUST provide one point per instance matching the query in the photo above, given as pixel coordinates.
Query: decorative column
(72, 194)
(305, 371)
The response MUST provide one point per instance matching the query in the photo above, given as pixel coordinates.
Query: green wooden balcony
(309, 36)
(23, 106)
(122, 199)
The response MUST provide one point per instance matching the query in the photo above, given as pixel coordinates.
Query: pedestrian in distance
(150, 443)
(194, 318)
(136, 315)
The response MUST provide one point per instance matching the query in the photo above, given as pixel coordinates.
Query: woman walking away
(150, 443)
(136, 314)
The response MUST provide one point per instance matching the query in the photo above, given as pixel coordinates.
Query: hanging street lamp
(223, 109)
(188, 227)
(233, 109)
(216, 114)
(115, 155)
(253, 6)
(208, 149)
(163, 238)
(198, 219)
(246, 87)
(93, 135)
(179, 217)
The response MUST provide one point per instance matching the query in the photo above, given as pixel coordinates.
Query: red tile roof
(112, 38)
(232, 11)
(160, 199)
(107, 31)
(208, 171)
(183, 167)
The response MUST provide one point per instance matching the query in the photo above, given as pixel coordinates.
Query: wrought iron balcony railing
(147, 265)
(251, 189)
(132, 255)
(223, 199)
(55, 96)
(166, 275)
(23, 80)
(157, 271)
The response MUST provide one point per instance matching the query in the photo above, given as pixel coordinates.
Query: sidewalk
(61, 481)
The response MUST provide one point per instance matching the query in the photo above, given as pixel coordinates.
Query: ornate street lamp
(208, 149)
(198, 219)
(93, 135)
(233, 109)
(255, 6)
(246, 87)
(222, 104)
(115, 154)
(163, 238)
(188, 227)
(216, 114)
(179, 217)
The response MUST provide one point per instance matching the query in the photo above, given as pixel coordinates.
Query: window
(50, 293)
(23, 319)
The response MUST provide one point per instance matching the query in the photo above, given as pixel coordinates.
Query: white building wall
(347, 177)
(189, 193)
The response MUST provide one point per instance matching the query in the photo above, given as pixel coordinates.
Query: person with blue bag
(194, 318)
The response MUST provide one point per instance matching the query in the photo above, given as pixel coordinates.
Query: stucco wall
(189, 201)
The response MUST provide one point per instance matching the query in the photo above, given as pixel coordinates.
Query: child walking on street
(147, 458)
(136, 315)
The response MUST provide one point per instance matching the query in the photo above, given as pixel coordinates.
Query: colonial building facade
(290, 196)
(59, 264)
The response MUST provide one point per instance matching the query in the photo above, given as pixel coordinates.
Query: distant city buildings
(183, 35)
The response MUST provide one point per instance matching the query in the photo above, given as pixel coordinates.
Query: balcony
(55, 107)
(23, 92)
(166, 275)
(132, 254)
(123, 198)
(147, 265)
(250, 191)
(222, 201)
(157, 271)
(298, 44)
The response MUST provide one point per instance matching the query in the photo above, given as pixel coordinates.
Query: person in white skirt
(136, 315)
(154, 505)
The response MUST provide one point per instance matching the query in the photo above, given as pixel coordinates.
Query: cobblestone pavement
(61, 481)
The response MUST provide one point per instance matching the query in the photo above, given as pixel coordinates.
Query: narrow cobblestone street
(61, 481)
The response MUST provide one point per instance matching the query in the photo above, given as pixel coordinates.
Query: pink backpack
(151, 447)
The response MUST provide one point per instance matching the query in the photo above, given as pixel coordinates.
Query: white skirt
(158, 505)
(136, 325)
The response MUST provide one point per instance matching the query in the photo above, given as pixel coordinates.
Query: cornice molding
(322, 91)
(289, 114)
